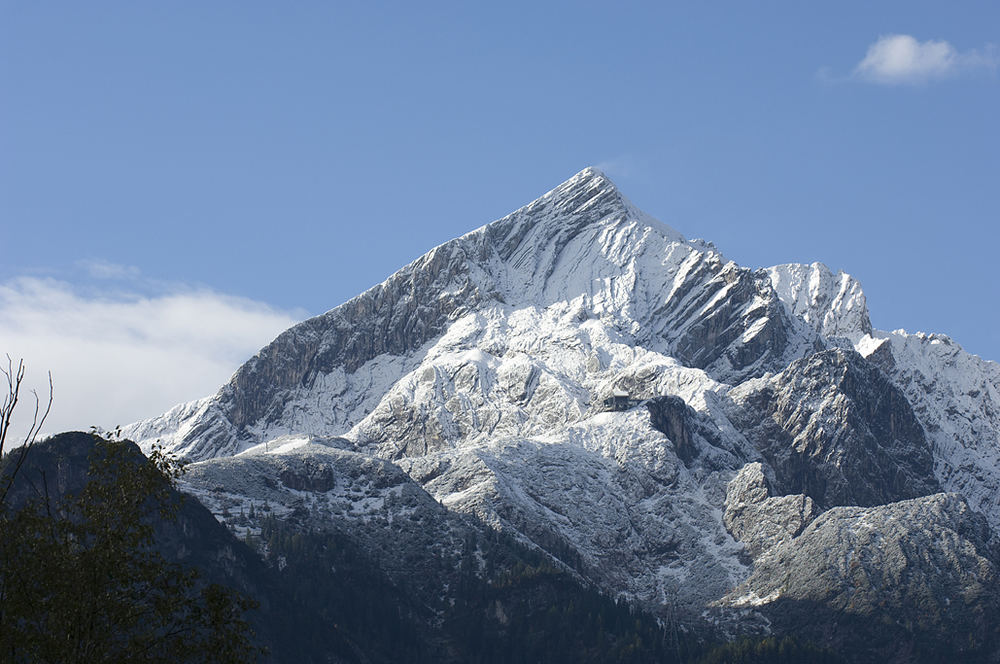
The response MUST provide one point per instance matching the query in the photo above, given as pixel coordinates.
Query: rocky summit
(735, 451)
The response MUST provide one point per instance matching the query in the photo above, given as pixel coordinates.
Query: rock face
(759, 520)
(923, 572)
(657, 420)
(835, 428)
(956, 396)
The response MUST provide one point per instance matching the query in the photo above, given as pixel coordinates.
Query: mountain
(694, 437)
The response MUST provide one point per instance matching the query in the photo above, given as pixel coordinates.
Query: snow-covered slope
(833, 304)
(585, 378)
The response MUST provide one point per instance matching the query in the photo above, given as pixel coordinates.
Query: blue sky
(267, 161)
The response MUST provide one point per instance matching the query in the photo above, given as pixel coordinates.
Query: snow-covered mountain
(668, 425)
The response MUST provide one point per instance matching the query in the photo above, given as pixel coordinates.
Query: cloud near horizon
(116, 358)
(895, 59)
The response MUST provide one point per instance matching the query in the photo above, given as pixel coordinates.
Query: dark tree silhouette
(81, 579)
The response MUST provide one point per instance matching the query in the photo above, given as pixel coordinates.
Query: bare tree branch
(10, 399)
(14, 380)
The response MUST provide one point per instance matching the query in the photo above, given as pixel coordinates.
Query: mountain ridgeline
(578, 399)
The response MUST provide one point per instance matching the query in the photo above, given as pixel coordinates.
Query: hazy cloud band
(126, 356)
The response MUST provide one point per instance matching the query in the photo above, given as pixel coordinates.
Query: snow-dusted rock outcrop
(920, 572)
(762, 521)
(313, 483)
(834, 427)
(832, 304)
(956, 396)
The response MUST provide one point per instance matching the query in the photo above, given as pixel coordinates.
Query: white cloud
(126, 356)
(903, 59)
(102, 269)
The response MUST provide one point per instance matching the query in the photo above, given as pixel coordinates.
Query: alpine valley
(575, 413)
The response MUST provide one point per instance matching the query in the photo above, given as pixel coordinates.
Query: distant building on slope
(619, 400)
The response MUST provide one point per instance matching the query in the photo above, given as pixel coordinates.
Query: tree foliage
(81, 579)
(769, 650)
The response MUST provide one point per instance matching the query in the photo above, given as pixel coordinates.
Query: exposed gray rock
(835, 428)
(710, 324)
(924, 570)
(696, 438)
(956, 396)
(758, 520)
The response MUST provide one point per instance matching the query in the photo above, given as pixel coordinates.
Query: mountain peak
(590, 183)
(594, 174)
(588, 199)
